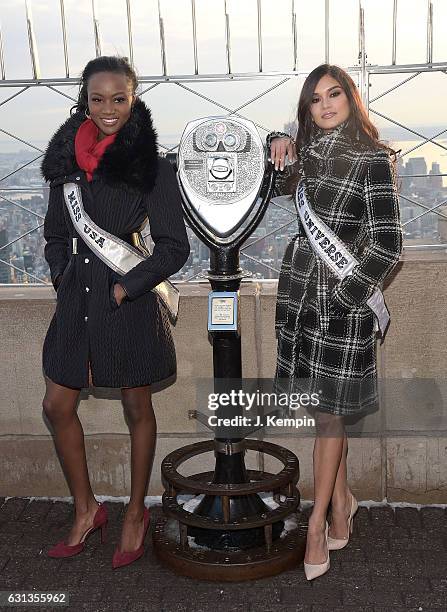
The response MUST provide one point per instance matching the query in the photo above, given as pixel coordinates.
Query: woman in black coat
(108, 330)
(326, 329)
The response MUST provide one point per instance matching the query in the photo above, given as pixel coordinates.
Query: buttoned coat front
(325, 327)
(128, 345)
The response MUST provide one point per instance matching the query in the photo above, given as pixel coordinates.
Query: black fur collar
(131, 159)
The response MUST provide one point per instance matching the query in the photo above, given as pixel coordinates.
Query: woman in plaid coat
(326, 330)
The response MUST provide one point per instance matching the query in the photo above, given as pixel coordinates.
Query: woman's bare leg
(140, 417)
(341, 498)
(60, 408)
(327, 455)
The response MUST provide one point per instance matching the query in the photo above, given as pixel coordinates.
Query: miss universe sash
(335, 255)
(114, 252)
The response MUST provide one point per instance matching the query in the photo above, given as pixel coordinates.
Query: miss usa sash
(332, 251)
(113, 251)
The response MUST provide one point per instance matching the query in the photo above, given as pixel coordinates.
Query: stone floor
(396, 561)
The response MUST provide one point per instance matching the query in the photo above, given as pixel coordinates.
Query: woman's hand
(119, 293)
(57, 281)
(279, 148)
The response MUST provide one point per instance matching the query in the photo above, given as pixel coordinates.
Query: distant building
(442, 225)
(417, 165)
(5, 270)
(28, 264)
(17, 275)
(435, 181)
(402, 170)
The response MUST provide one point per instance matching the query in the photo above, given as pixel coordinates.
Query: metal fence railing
(280, 220)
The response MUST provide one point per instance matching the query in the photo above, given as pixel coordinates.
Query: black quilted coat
(128, 345)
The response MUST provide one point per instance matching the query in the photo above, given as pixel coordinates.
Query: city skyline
(262, 253)
(32, 115)
(35, 114)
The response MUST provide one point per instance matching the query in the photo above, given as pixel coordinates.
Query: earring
(87, 113)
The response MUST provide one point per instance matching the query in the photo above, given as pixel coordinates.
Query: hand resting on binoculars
(279, 149)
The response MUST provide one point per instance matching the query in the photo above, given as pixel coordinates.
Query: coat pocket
(334, 319)
(113, 279)
(112, 301)
(63, 279)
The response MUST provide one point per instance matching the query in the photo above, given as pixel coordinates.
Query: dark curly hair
(104, 63)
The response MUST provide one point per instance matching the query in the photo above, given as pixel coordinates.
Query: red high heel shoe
(64, 550)
(126, 558)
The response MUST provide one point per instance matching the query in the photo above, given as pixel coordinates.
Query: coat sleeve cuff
(272, 135)
(57, 281)
(132, 292)
(56, 276)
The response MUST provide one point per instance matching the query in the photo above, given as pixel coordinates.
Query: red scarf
(88, 149)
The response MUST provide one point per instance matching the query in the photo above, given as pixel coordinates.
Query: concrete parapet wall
(401, 454)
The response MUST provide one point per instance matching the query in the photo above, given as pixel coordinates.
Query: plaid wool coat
(325, 329)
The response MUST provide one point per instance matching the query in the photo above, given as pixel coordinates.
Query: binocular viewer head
(221, 167)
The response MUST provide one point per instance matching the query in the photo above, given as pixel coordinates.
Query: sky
(35, 114)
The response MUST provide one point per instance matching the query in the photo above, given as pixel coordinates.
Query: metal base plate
(228, 566)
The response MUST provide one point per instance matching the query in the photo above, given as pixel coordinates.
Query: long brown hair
(358, 127)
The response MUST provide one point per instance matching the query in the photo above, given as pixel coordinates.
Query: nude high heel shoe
(313, 570)
(339, 543)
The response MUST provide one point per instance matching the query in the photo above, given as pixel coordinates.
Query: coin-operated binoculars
(226, 186)
(221, 173)
(225, 193)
